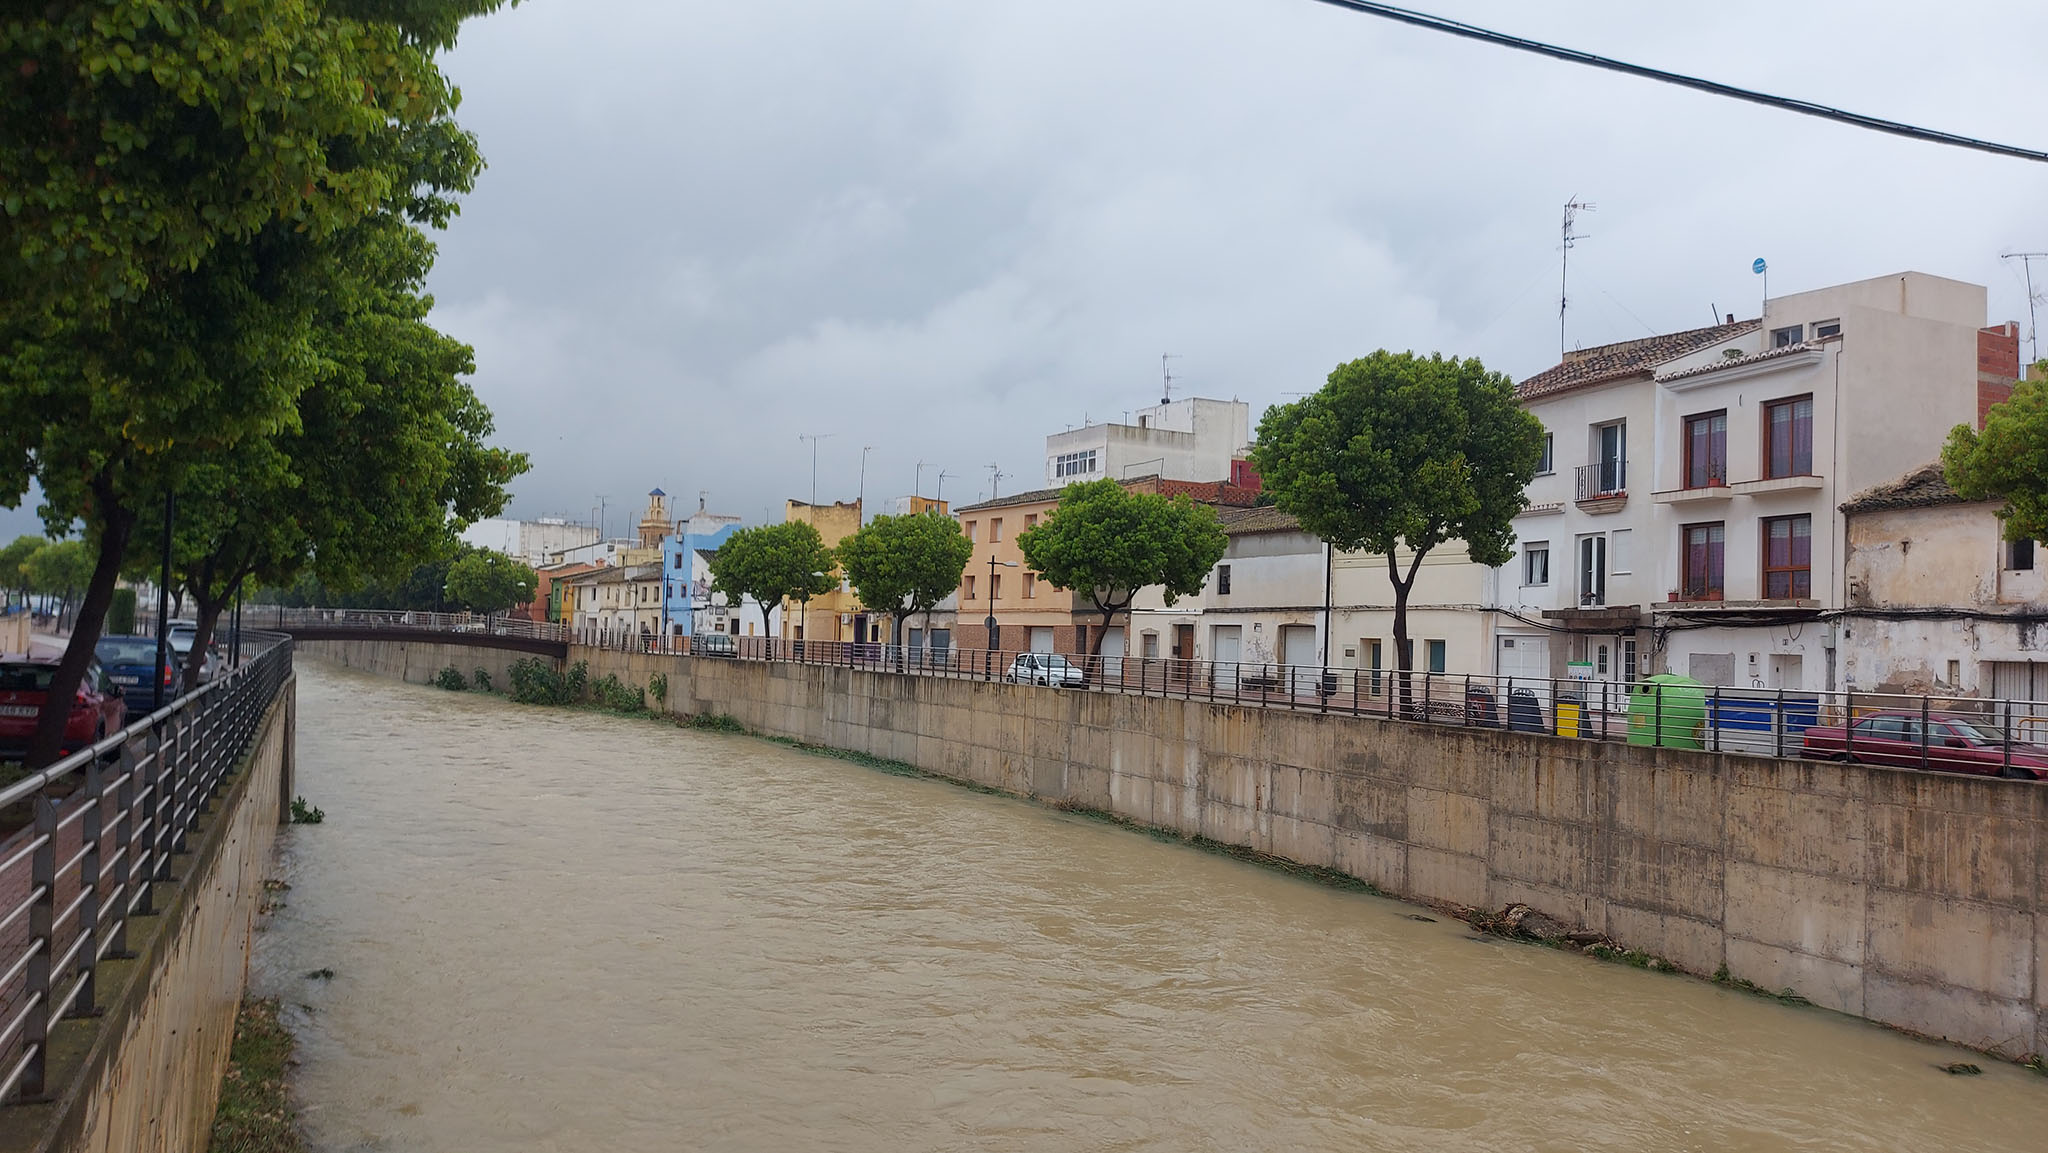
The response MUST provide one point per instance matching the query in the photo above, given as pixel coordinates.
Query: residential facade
(1260, 612)
(837, 615)
(1939, 603)
(690, 607)
(1191, 439)
(1029, 614)
(617, 601)
(1689, 523)
(532, 541)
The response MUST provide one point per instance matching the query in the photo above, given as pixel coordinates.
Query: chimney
(1731, 318)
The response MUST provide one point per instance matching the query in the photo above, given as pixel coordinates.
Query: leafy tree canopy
(905, 564)
(773, 562)
(485, 581)
(59, 568)
(1108, 542)
(2007, 461)
(1402, 451)
(13, 557)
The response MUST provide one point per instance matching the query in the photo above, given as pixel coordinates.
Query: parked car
(1954, 744)
(714, 645)
(182, 634)
(1046, 669)
(96, 711)
(130, 663)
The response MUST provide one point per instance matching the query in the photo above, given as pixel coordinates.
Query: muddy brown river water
(553, 930)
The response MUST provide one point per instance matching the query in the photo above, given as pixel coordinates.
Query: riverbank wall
(145, 1074)
(417, 661)
(1912, 899)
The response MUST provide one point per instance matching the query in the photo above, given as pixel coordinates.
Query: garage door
(1524, 658)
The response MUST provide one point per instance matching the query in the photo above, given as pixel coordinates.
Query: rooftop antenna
(1572, 208)
(996, 476)
(860, 494)
(600, 515)
(814, 438)
(2027, 260)
(1166, 372)
(917, 489)
(943, 474)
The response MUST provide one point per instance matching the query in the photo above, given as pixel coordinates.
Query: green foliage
(657, 687)
(1399, 451)
(1108, 543)
(255, 1113)
(609, 692)
(773, 562)
(2007, 461)
(482, 680)
(305, 814)
(576, 685)
(535, 682)
(59, 568)
(451, 678)
(121, 614)
(905, 564)
(13, 557)
(485, 581)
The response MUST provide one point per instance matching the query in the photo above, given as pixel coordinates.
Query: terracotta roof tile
(1585, 367)
(1249, 521)
(1924, 487)
(1733, 361)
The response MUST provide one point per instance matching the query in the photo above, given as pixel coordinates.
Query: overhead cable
(1783, 103)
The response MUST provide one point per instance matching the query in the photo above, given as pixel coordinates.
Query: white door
(1226, 648)
(1113, 654)
(1523, 663)
(1041, 639)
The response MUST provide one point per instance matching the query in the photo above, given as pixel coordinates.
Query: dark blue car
(129, 662)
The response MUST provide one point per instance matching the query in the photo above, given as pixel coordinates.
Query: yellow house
(837, 615)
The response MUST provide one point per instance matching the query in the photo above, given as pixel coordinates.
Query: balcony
(1601, 487)
(1718, 488)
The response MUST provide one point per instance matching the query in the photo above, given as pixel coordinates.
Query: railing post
(1778, 727)
(2007, 763)
(1849, 725)
(180, 779)
(1657, 717)
(1467, 712)
(1714, 717)
(149, 802)
(1427, 677)
(90, 828)
(42, 916)
(124, 849)
(1925, 719)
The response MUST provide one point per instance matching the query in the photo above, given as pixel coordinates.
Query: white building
(605, 552)
(1260, 611)
(1193, 439)
(1689, 522)
(533, 541)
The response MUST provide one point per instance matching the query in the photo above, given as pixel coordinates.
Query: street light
(988, 657)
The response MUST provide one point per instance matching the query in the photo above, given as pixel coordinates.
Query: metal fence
(97, 830)
(1953, 733)
(285, 619)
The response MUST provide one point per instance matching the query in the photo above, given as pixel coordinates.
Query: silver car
(1046, 669)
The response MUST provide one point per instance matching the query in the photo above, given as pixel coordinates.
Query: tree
(59, 569)
(173, 179)
(1401, 451)
(2007, 461)
(489, 582)
(1109, 543)
(770, 563)
(905, 564)
(15, 555)
(385, 462)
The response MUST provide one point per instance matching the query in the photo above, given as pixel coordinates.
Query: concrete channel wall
(414, 660)
(144, 1077)
(1913, 899)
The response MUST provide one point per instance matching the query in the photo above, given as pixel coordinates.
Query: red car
(1954, 744)
(97, 711)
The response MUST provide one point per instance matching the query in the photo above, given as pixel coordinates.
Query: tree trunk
(208, 616)
(119, 522)
(1404, 652)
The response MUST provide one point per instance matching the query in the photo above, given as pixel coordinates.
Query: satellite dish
(1758, 266)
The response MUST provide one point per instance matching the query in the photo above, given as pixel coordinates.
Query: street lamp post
(988, 657)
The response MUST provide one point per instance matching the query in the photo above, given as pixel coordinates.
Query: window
(1788, 558)
(1536, 563)
(1548, 464)
(1781, 337)
(1593, 570)
(972, 525)
(1151, 644)
(1030, 585)
(1436, 656)
(1706, 449)
(1610, 457)
(2019, 555)
(1373, 657)
(970, 587)
(1030, 518)
(1223, 579)
(1826, 328)
(1074, 464)
(1618, 549)
(995, 587)
(1628, 659)
(1706, 549)
(995, 529)
(1788, 437)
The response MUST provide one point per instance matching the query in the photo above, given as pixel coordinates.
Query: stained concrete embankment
(144, 1076)
(418, 661)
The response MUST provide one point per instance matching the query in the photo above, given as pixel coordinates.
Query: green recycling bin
(1667, 710)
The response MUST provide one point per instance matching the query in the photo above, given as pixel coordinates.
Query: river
(554, 930)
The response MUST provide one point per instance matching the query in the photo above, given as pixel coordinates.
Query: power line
(1783, 103)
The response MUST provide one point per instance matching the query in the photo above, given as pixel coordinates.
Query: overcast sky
(947, 229)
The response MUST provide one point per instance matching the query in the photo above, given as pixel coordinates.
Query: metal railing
(1607, 478)
(1952, 733)
(101, 829)
(285, 619)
